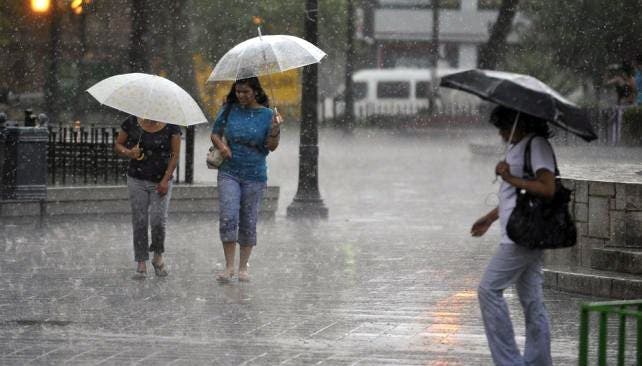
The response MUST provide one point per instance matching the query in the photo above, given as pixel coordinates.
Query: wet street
(388, 279)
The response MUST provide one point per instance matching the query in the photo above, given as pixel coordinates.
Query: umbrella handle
(510, 138)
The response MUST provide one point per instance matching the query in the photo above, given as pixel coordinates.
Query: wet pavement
(388, 279)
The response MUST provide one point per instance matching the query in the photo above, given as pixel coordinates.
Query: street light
(76, 6)
(40, 6)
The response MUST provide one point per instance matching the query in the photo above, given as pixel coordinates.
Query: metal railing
(86, 156)
(623, 310)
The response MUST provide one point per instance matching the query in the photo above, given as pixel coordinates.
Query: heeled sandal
(224, 277)
(160, 269)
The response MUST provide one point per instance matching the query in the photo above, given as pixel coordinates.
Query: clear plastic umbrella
(148, 96)
(264, 55)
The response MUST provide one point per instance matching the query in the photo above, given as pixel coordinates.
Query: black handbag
(540, 223)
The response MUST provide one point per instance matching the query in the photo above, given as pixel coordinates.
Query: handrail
(604, 309)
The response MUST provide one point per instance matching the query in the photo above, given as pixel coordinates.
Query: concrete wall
(114, 199)
(607, 214)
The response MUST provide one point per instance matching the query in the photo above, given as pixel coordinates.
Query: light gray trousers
(513, 264)
(148, 209)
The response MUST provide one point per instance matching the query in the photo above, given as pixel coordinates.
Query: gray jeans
(148, 209)
(522, 267)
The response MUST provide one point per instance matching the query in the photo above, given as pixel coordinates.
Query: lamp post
(307, 201)
(51, 77)
(80, 9)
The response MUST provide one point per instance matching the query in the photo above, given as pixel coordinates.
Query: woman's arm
(483, 223)
(543, 185)
(121, 150)
(163, 186)
(274, 135)
(222, 146)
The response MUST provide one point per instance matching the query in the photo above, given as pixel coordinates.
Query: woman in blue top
(251, 130)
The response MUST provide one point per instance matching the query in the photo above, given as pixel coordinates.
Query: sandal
(141, 271)
(244, 276)
(159, 269)
(224, 277)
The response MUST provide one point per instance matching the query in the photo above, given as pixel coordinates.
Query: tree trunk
(350, 55)
(182, 70)
(434, 57)
(52, 87)
(138, 55)
(495, 49)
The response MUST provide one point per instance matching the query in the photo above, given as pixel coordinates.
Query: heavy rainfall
(364, 150)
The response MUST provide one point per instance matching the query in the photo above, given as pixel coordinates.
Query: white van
(399, 91)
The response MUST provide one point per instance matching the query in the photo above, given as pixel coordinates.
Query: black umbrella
(525, 94)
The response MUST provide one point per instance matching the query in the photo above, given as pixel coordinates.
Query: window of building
(393, 89)
(451, 54)
(420, 4)
(489, 4)
(422, 89)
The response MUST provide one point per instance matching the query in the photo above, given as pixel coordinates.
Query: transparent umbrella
(265, 55)
(148, 96)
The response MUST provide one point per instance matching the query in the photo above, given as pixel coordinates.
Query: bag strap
(528, 168)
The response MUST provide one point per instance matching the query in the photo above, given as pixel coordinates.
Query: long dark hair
(504, 117)
(255, 85)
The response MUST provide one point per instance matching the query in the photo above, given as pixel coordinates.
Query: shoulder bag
(540, 223)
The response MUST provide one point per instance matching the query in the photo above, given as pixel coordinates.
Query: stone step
(592, 282)
(617, 259)
(88, 200)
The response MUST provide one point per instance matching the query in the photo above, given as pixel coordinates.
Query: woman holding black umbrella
(514, 264)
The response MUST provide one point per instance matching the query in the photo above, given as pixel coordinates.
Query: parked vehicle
(398, 91)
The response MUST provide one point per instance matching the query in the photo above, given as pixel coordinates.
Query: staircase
(607, 261)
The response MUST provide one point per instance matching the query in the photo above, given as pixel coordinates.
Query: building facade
(402, 31)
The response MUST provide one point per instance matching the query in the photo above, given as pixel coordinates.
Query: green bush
(632, 126)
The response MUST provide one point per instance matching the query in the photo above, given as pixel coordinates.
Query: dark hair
(255, 85)
(638, 58)
(504, 118)
(627, 68)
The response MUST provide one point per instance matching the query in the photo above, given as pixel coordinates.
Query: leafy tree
(495, 49)
(584, 37)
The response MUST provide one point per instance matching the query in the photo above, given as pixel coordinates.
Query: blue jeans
(239, 202)
(513, 264)
(149, 209)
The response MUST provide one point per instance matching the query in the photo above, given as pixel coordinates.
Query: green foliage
(221, 24)
(586, 36)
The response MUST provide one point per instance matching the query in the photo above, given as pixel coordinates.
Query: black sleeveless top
(156, 146)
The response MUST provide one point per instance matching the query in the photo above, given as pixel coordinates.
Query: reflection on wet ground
(390, 278)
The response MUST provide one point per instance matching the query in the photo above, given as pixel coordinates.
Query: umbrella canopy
(150, 97)
(264, 55)
(525, 94)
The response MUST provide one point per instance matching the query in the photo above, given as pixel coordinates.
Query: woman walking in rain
(153, 149)
(513, 264)
(251, 131)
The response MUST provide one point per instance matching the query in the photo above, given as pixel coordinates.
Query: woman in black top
(153, 148)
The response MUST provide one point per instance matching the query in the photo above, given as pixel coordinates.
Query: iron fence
(84, 156)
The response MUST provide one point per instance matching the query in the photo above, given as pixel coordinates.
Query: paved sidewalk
(389, 279)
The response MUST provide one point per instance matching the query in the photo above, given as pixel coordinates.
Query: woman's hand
(162, 187)
(226, 151)
(503, 170)
(480, 226)
(276, 119)
(135, 152)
